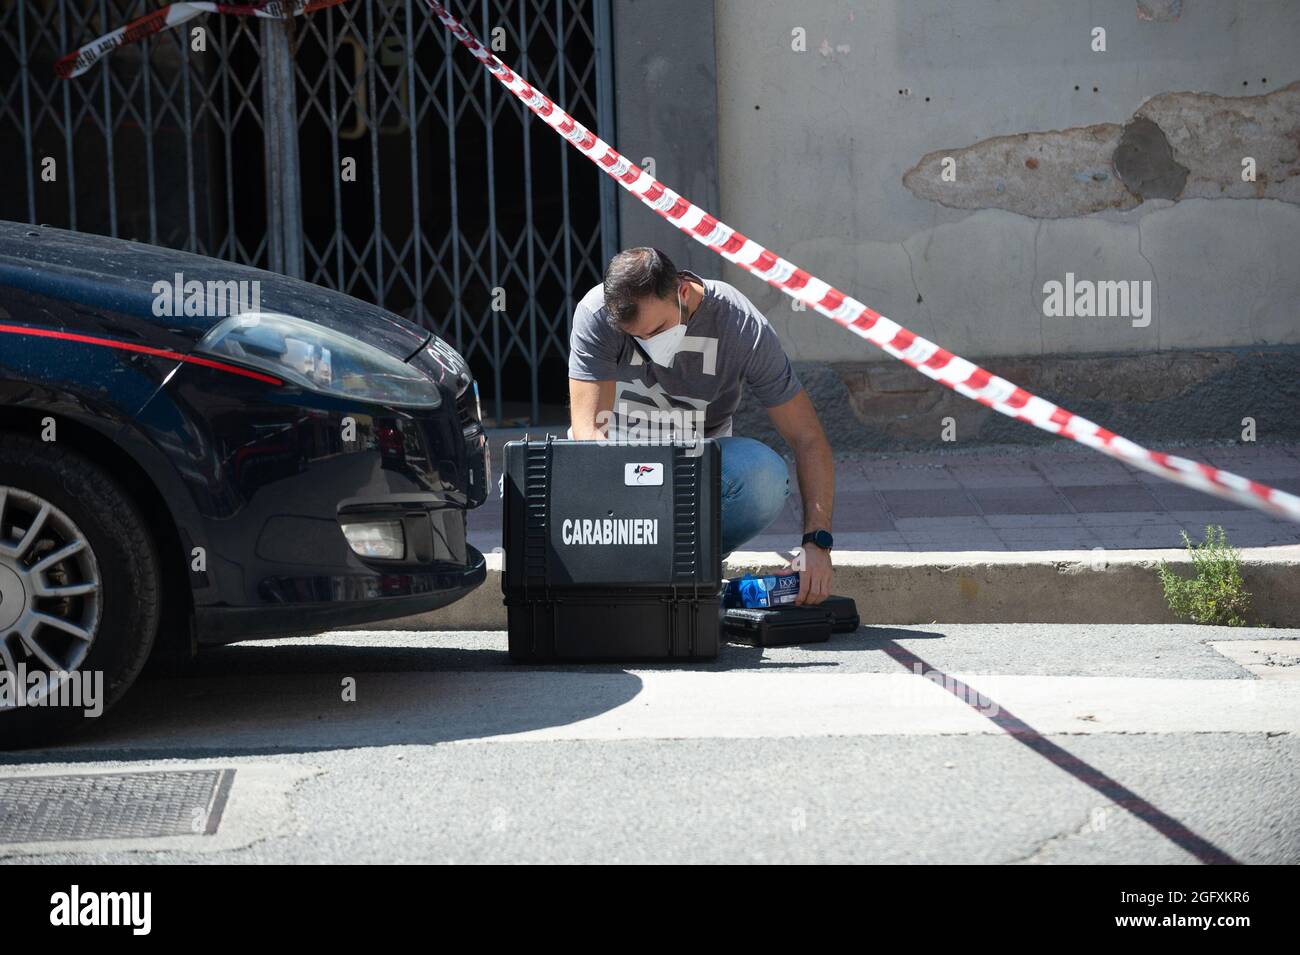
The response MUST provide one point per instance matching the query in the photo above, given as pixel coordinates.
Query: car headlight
(319, 359)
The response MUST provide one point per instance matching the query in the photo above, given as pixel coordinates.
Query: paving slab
(1050, 487)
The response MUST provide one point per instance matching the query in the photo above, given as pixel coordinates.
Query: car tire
(108, 589)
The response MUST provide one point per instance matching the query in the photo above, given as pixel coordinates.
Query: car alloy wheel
(50, 588)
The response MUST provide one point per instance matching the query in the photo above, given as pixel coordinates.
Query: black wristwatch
(822, 539)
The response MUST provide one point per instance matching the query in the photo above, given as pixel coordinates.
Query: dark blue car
(194, 452)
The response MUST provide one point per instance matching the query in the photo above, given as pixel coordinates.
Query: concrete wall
(814, 149)
(665, 91)
(1123, 165)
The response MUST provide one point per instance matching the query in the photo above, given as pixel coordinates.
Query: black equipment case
(612, 550)
(845, 611)
(777, 626)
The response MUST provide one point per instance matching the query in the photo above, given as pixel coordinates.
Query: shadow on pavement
(1108, 787)
(260, 699)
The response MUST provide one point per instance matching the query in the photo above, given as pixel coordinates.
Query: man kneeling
(655, 349)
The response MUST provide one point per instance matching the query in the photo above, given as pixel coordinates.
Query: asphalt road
(995, 744)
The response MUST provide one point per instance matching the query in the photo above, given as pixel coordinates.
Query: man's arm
(797, 421)
(590, 405)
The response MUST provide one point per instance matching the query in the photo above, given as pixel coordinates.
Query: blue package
(755, 593)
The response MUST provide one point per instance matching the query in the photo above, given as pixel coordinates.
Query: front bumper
(274, 473)
(327, 602)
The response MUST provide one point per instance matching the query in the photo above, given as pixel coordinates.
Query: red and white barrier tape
(948, 369)
(174, 14)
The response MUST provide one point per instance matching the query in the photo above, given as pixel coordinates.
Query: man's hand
(815, 576)
(798, 424)
(590, 403)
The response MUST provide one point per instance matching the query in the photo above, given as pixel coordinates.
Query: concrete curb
(1101, 586)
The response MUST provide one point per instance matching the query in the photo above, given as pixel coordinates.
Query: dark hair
(635, 274)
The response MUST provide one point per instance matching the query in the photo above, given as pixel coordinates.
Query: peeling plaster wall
(814, 149)
(1177, 146)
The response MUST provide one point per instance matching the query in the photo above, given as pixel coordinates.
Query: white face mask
(663, 347)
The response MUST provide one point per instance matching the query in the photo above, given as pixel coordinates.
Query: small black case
(777, 627)
(845, 612)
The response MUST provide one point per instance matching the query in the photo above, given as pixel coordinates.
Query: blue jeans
(755, 484)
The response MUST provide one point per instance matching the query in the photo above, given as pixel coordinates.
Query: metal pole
(420, 315)
(23, 71)
(564, 178)
(603, 23)
(230, 244)
(105, 74)
(151, 184)
(336, 175)
(534, 356)
(70, 167)
(373, 113)
(280, 116)
(458, 311)
(498, 409)
(192, 244)
(271, 146)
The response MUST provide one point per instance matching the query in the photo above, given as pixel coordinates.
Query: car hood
(123, 276)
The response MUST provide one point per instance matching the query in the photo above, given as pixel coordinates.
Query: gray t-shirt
(728, 342)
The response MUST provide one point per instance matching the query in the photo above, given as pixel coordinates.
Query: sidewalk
(997, 535)
(1014, 499)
